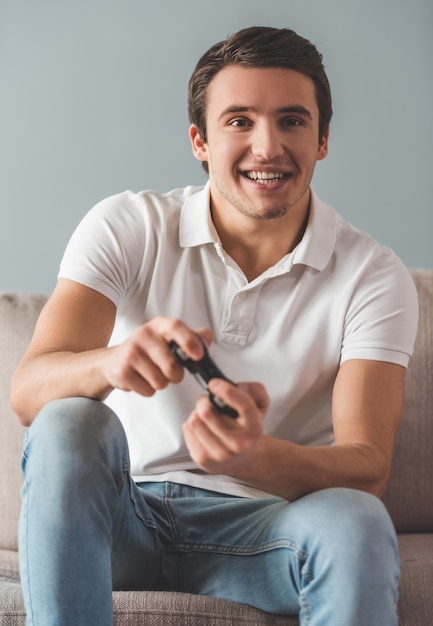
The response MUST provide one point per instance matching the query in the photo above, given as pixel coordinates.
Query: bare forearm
(41, 379)
(292, 471)
(143, 363)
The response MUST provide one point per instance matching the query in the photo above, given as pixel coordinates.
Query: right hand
(144, 363)
(68, 354)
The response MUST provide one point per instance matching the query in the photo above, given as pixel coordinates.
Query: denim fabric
(86, 528)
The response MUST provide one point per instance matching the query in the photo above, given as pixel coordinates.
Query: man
(277, 508)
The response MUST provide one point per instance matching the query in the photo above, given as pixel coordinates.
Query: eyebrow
(296, 108)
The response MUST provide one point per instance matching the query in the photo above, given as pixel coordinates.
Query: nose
(266, 141)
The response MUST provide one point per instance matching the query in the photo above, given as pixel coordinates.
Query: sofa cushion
(18, 314)
(155, 608)
(409, 496)
(416, 584)
(135, 608)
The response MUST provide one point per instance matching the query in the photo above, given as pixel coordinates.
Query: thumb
(259, 394)
(206, 334)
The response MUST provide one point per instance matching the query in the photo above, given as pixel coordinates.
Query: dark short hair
(260, 47)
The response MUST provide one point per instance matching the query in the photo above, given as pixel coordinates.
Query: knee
(356, 510)
(350, 554)
(74, 417)
(73, 431)
(354, 523)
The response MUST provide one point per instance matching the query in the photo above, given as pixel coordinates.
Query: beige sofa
(409, 497)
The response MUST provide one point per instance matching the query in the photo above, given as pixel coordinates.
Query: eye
(291, 121)
(239, 123)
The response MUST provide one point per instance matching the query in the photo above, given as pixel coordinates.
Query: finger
(131, 369)
(217, 449)
(206, 335)
(258, 393)
(190, 341)
(205, 446)
(239, 398)
(154, 360)
(231, 438)
(138, 384)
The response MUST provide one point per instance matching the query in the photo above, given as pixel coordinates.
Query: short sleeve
(382, 317)
(105, 250)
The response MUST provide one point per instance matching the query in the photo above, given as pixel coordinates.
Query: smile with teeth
(265, 177)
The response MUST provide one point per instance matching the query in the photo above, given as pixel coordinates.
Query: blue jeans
(86, 528)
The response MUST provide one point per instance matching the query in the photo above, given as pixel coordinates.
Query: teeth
(262, 177)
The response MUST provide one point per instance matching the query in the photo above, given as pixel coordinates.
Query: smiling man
(262, 144)
(135, 479)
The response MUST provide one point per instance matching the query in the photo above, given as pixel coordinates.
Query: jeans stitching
(305, 607)
(149, 522)
(24, 571)
(175, 538)
(269, 546)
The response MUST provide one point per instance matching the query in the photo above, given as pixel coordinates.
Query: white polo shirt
(339, 295)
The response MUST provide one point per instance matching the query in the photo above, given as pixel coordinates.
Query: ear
(199, 146)
(322, 151)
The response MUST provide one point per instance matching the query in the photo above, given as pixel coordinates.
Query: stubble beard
(273, 213)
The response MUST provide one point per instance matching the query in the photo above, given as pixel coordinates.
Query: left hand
(220, 444)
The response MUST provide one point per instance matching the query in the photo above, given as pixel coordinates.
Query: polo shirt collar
(314, 250)
(317, 244)
(196, 226)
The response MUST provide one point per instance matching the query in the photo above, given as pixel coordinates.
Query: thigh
(227, 547)
(79, 522)
(137, 553)
(334, 548)
(79, 497)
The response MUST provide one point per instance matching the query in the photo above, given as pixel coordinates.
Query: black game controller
(204, 370)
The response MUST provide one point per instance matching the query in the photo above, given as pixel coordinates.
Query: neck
(257, 245)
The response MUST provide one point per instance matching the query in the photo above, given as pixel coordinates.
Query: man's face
(262, 141)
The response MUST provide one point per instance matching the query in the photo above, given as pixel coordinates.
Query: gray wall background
(93, 101)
